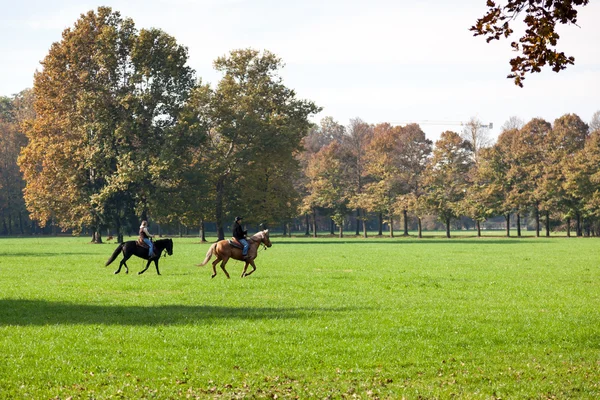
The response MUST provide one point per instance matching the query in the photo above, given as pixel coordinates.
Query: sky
(395, 61)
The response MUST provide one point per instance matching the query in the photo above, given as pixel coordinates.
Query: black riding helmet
(238, 219)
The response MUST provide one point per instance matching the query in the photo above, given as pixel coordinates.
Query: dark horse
(131, 248)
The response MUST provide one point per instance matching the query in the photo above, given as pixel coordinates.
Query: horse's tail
(115, 254)
(209, 254)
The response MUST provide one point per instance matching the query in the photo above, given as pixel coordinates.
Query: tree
(327, 184)
(319, 136)
(354, 147)
(583, 181)
(528, 148)
(536, 46)
(478, 135)
(13, 111)
(513, 122)
(187, 192)
(595, 122)
(566, 139)
(487, 195)
(107, 104)
(380, 193)
(412, 156)
(445, 177)
(253, 120)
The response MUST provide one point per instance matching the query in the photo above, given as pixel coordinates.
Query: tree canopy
(107, 104)
(255, 126)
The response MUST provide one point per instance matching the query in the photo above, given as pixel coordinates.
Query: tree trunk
(547, 223)
(97, 237)
(219, 208)
(448, 228)
(578, 225)
(537, 221)
(586, 225)
(380, 233)
(391, 225)
(21, 223)
(202, 231)
(331, 227)
(568, 227)
(341, 231)
(518, 225)
(507, 218)
(405, 221)
(307, 225)
(364, 223)
(419, 227)
(119, 231)
(314, 222)
(357, 221)
(478, 224)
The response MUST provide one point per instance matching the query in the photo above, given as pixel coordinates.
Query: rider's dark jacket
(238, 232)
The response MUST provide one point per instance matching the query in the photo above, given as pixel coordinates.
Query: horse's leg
(214, 265)
(119, 269)
(253, 267)
(156, 264)
(144, 270)
(123, 263)
(245, 268)
(223, 266)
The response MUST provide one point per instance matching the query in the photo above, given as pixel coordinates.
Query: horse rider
(240, 235)
(146, 236)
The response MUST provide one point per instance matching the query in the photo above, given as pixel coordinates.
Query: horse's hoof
(116, 272)
(212, 276)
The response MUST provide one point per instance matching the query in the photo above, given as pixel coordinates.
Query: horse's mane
(258, 236)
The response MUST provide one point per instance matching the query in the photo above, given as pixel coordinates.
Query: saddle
(140, 242)
(234, 243)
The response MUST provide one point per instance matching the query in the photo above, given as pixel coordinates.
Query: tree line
(550, 172)
(118, 128)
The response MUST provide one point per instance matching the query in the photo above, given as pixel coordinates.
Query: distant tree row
(549, 171)
(117, 128)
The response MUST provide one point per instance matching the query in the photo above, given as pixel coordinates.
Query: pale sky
(394, 61)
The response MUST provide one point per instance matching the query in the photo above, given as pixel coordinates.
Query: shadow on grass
(19, 312)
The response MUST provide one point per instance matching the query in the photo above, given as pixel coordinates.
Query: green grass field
(320, 318)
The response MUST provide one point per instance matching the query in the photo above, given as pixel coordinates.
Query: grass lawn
(325, 317)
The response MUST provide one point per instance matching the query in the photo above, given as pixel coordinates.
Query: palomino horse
(224, 251)
(131, 248)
